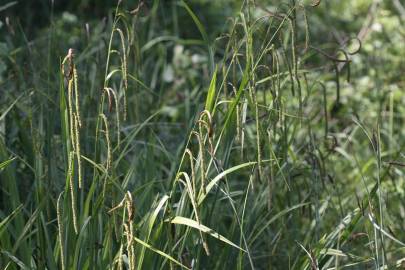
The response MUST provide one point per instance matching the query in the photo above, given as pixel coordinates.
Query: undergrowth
(125, 146)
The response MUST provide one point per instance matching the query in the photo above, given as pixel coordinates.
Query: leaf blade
(194, 224)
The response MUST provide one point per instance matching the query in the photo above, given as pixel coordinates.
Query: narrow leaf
(217, 178)
(160, 252)
(6, 163)
(209, 104)
(205, 229)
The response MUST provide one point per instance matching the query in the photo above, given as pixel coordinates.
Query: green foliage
(201, 135)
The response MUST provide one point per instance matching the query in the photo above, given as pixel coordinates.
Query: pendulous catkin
(77, 103)
(130, 232)
(72, 191)
(78, 154)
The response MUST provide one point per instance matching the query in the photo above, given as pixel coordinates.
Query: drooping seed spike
(78, 154)
(77, 99)
(72, 191)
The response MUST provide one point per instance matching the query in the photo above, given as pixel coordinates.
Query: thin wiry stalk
(201, 156)
(193, 177)
(295, 64)
(192, 195)
(258, 144)
(276, 81)
(306, 25)
(325, 108)
(347, 58)
(271, 174)
(380, 197)
(60, 231)
(238, 125)
(105, 85)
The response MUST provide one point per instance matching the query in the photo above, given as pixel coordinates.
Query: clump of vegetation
(186, 134)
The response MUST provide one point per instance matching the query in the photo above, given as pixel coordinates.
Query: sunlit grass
(139, 149)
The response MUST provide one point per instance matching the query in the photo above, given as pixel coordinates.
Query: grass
(129, 145)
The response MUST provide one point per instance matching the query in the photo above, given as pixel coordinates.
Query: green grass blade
(151, 222)
(160, 252)
(4, 164)
(217, 178)
(209, 103)
(10, 217)
(194, 224)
